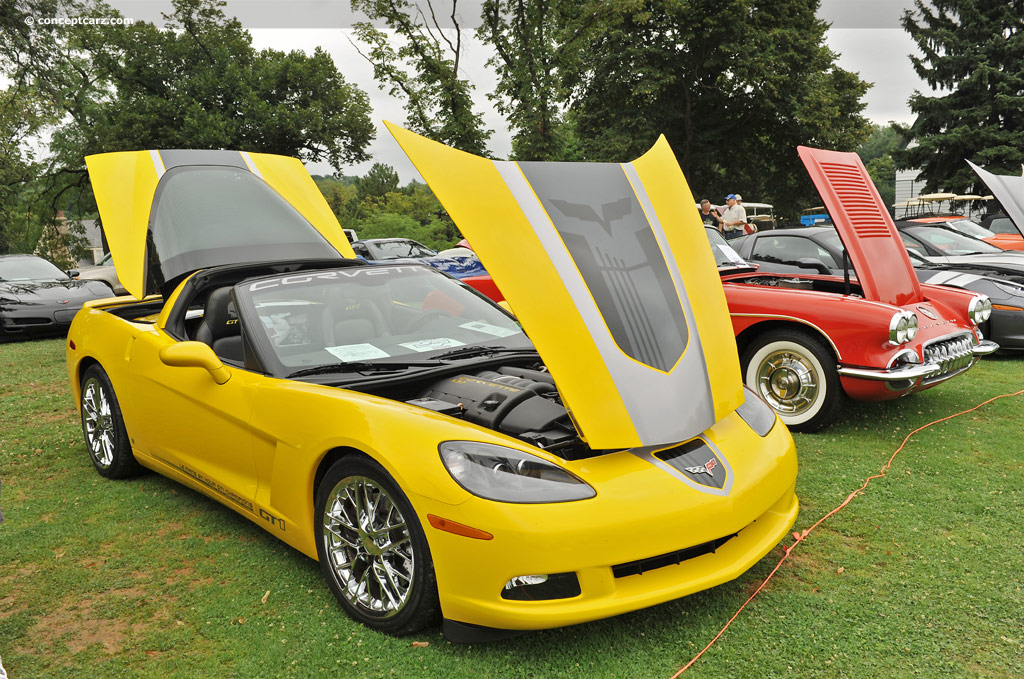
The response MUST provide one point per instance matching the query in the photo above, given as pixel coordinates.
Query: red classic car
(805, 340)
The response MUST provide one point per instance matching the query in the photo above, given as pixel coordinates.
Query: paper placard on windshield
(432, 344)
(488, 329)
(731, 254)
(357, 352)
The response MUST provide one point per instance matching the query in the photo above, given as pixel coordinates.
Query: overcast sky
(865, 33)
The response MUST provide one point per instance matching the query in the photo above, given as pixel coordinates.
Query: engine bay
(518, 401)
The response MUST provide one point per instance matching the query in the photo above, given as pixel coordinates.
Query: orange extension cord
(801, 536)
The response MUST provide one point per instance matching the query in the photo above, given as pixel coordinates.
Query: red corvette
(876, 334)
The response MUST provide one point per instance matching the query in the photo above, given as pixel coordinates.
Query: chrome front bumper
(945, 357)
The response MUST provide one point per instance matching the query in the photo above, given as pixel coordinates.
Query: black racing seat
(351, 321)
(220, 328)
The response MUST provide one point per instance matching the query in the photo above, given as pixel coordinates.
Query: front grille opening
(554, 586)
(952, 355)
(641, 566)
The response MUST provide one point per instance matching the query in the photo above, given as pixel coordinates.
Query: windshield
(970, 228)
(725, 256)
(950, 242)
(210, 215)
(29, 269)
(397, 249)
(370, 314)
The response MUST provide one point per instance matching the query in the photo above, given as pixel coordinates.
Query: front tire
(103, 426)
(372, 550)
(795, 373)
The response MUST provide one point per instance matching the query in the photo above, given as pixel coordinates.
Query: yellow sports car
(402, 429)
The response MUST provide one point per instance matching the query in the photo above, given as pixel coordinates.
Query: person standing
(709, 215)
(734, 217)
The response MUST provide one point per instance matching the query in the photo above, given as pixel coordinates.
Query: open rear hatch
(167, 214)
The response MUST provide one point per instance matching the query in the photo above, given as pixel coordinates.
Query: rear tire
(103, 426)
(796, 374)
(372, 550)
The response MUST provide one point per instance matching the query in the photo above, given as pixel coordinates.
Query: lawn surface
(921, 576)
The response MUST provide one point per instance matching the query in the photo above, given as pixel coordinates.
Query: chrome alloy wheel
(788, 381)
(98, 421)
(369, 546)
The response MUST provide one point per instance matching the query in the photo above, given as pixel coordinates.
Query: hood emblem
(928, 312)
(708, 468)
(63, 301)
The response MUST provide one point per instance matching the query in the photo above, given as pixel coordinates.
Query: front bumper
(641, 516)
(905, 373)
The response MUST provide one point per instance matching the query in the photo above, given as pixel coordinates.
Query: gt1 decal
(271, 519)
(339, 274)
(215, 487)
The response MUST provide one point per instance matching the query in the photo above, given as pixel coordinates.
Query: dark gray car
(818, 250)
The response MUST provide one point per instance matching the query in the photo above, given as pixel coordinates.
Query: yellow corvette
(403, 430)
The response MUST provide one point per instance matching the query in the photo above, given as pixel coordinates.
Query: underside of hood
(864, 225)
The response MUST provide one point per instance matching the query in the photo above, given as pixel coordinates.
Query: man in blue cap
(733, 218)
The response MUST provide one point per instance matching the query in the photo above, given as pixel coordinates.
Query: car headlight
(509, 475)
(979, 309)
(756, 413)
(903, 327)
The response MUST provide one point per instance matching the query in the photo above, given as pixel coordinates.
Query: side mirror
(812, 263)
(73, 273)
(195, 355)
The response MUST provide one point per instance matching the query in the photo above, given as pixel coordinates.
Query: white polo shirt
(736, 213)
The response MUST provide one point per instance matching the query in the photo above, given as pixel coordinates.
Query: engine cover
(516, 401)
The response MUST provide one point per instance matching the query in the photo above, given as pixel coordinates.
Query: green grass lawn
(921, 576)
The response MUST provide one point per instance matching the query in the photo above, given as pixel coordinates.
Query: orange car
(1006, 241)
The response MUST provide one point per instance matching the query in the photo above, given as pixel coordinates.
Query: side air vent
(858, 201)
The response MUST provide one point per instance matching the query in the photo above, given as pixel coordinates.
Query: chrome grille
(952, 354)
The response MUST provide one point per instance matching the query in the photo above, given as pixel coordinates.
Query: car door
(191, 423)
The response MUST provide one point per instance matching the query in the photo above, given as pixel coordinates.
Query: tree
(877, 155)
(424, 70)
(196, 83)
(733, 103)
(974, 51)
(381, 179)
(532, 51)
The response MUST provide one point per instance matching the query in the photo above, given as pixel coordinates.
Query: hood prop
(846, 272)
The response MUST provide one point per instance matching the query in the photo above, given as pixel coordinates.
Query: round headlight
(979, 309)
(911, 326)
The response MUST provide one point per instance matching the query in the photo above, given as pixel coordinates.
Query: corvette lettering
(331, 275)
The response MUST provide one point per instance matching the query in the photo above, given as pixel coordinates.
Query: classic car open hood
(166, 214)
(868, 232)
(1008, 190)
(596, 260)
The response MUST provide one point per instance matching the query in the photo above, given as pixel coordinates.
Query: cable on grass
(799, 537)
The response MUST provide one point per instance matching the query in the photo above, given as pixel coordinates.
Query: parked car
(942, 245)
(458, 265)
(103, 271)
(404, 430)
(1003, 241)
(37, 299)
(820, 250)
(809, 338)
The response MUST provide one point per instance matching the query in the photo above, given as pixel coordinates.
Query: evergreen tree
(973, 52)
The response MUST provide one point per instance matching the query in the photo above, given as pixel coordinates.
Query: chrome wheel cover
(788, 381)
(369, 547)
(98, 422)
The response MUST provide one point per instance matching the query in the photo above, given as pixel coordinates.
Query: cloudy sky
(865, 34)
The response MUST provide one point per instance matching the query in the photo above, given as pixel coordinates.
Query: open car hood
(166, 214)
(596, 260)
(1008, 190)
(874, 245)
